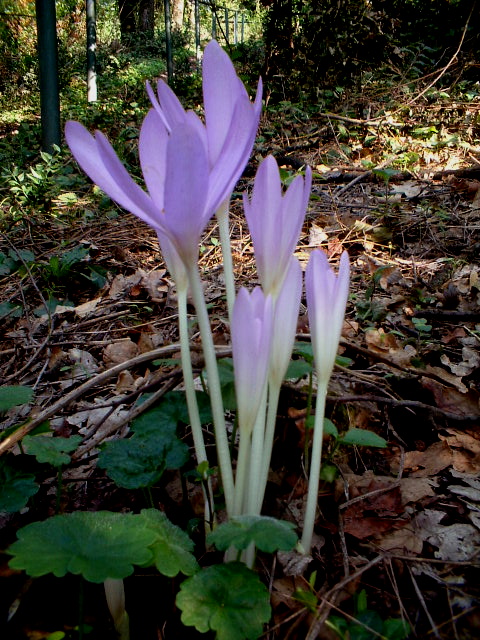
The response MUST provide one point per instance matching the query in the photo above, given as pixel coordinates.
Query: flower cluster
(190, 168)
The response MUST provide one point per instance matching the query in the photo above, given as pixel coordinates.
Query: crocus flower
(251, 330)
(231, 120)
(327, 296)
(275, 221)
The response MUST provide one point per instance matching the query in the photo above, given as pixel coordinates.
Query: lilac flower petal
(285, 321)
(152, 149)
(173, 261)
(97, 158)
(170, 105)
(185, 190)
(275, 221)
(221, 91)
(327, 296)
(251, 343)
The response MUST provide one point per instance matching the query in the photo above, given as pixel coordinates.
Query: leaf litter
(405, 519)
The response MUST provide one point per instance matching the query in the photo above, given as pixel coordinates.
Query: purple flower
(189, 168)
(251, 330)
(231, 119)
(275, 221)
(327, 296)
(285, 321)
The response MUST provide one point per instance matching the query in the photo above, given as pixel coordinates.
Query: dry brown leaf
(119, 352)
(465, 447)
(463, 404)
(423, 464)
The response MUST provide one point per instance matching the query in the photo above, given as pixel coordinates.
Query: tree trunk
(126, 13)
(146, 15)
(178, 7)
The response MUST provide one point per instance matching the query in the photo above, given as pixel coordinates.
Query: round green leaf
(172, 549)
(268, 534)
(13, 396)
(16, 487)
(53, 451)
(95, 545)
(226, 598)
(363, 438)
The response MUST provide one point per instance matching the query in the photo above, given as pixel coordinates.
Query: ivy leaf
(16, 486)
(95, 545)
(53, 451)
(172, 549)
(13, 396)
(226, 598)
(268, 534)
(362, 438)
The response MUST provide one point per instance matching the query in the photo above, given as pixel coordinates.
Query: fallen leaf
(423, 464)
(465, 448)
(461, 403)
(119, 352)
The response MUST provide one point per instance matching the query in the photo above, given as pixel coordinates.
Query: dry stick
(90, 443)
(327, 604)
(22, 431)
(382, 165)
(433, 629)
(47, 309)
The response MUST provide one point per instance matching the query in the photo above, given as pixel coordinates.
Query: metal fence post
(168, 40)
(91, 55)
(235, 27)
(227, 37)
(243, 27)
(197, 33)
(48, 71)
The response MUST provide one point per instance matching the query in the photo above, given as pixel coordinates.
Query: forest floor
(398, 532)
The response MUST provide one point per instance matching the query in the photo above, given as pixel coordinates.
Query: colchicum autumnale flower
(275, 220)
(190, 168)
(327, 296)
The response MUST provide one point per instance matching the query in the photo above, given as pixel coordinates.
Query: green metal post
(48, 72)
(91, 52)
(168, 40)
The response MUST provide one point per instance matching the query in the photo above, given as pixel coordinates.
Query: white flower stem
(254, 500)
(314, 477)
(214, 388)
(224, 232)
(115, 595)
(273, 396)
(191, 397)
(242, 472)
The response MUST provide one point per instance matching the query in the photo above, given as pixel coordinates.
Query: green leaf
(362, 438)
(172, 549)
(227, 383)
(395, 629)
(16, 486)
(268, 534)
(305, 350)
(7, 309)
(329, 428)
(171, 411)
(12, 396)
(53, 451)
(370, 619)
(297, 369)
(95, 545)
(140, 461)
(226, 598)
